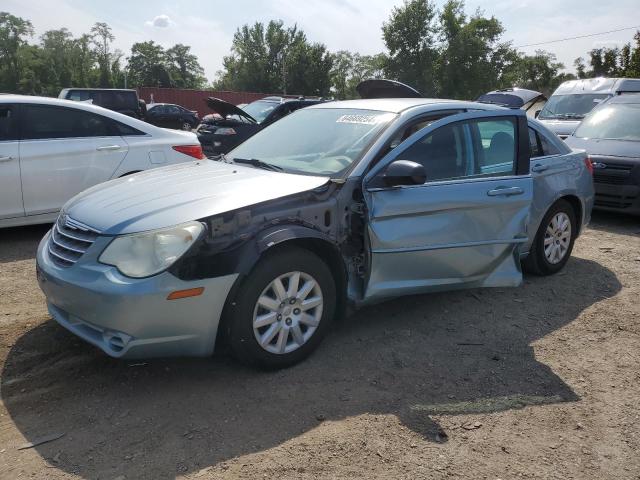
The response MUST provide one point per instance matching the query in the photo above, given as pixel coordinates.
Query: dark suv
(123, 101)
(233, 125)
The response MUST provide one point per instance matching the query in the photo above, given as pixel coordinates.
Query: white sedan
(52, 149)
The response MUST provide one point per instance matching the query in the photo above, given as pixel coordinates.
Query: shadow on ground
(20, 243)
(614, 222)
(454, 353)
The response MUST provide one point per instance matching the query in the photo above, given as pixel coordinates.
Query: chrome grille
(69, 241)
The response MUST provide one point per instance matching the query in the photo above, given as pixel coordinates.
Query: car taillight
(589, 164)
(194, 151)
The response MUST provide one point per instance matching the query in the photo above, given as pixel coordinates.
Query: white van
(572, 100)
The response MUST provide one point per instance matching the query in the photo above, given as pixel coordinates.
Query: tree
(541, 72)
(147, 66)
(273, 58)
(581, 68)
(409, 35)
(14, 32)
(349, 69)
(472, 59)
(58, 69)
(102, 38)
(184, 68)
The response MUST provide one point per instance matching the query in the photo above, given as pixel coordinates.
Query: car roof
(101, 89)
(602, 85)
(397, 105)
(626, 98)
(89, 107)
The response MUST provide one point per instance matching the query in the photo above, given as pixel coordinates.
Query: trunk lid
(382, 88)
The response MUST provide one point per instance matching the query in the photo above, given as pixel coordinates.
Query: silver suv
(572, 100)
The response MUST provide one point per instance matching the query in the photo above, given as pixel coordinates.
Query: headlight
(145, 254)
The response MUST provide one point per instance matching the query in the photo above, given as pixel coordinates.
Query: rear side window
(548, 148)
(126, 130)
(540, 145)
(44, 121)
(534, 144)
(8, 125)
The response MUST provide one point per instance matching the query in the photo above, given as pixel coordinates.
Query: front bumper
(617, 185)
(131, 318)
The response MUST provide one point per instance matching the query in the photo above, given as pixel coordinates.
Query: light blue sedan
(338, 205)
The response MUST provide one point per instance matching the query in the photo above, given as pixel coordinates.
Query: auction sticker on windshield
(360, 119)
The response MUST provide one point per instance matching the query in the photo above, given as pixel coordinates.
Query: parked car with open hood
(52, 149)
(169, 115)
(572, 100)
(611, 136)
(340, 203)
(530, 101)
(235, 125)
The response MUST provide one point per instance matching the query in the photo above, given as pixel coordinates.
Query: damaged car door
(457, 219)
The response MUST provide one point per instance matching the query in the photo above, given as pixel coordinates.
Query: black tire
(239, 313)
(537, 262)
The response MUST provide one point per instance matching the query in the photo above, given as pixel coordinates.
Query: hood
(172, 195)
(225, 108)
(512, 97)
(561, 127)
(381, 88)
(606, 148)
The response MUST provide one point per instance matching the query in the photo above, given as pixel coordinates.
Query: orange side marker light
(192, 292)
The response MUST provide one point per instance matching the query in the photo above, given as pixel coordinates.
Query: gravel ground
(541, 381)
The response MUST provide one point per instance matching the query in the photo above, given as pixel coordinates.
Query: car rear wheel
(283, 310)
(554, 240)
(186, 126)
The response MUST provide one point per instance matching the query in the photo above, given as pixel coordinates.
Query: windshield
(617, 121)
(260, 109)
(571, 106)
(315, 141)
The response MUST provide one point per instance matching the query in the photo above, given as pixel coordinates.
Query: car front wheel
(283, 310)
(554, 240)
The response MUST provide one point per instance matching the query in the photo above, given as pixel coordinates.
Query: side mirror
(537, 113)
(404, 172)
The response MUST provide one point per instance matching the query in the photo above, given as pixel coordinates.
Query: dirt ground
(541, 381)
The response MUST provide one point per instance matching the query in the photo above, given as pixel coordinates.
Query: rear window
(619, 121)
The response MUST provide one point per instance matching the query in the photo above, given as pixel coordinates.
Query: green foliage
(273, 59)
(442, 52)
(410, 35)
(59, 60)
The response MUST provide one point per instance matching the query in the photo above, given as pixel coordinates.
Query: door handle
(539, 167)
(505, 191)
(6, 159)
(108, 148)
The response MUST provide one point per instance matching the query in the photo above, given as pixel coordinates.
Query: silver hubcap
(557, 238)
(186, 126)
(287, 312)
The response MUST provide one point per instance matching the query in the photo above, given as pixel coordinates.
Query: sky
(208, 25)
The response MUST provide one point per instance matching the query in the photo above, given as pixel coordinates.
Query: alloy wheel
(557, 238)
(287, 312)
